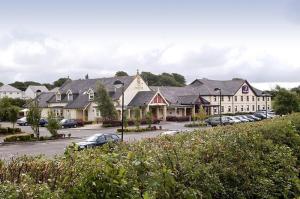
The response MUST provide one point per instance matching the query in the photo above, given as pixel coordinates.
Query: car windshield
(93, 138)
(23, 119)
(63, 121)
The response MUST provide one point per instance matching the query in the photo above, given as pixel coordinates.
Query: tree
(13, 112)
(137, 117)
(104, 103)
(5, 104)
(34, 117)
(53, 124)
(201, 115)
(121, 73)
(164, 79)
(1, 84)
(285, 102)
(179, 78)
(149, 118)
(23, 85)
(60, 82)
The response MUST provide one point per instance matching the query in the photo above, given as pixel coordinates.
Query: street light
(265, 95)
(220, 92)
(120, 84)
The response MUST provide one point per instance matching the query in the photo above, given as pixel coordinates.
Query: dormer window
(91, 95)
(70, 95)
(58, 97)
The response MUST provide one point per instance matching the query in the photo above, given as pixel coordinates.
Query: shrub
(5, 131)
(152, 128)
(178, 119)
(19, 137)
(115, 123)
(199, 124)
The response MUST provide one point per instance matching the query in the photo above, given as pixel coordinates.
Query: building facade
(75, 99)
(11, 92)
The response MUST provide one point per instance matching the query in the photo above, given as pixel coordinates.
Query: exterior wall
(138, 84)
(13, 95)
(29, 94)
(70, 114)
(240, 102)
(44, 112)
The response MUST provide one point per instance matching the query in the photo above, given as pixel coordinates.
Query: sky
(258, 40)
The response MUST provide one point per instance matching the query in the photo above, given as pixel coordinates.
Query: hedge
(19, 137)
(178, 119)
(250, 160)
(8, 130)
(153, 128)
(115, 123)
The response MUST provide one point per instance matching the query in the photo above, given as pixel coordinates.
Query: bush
(19, 137)
(87, 122)
(240, 161)
(152, 128)
(115, 123)
(198, 124)
(5, 131)
(178, 119)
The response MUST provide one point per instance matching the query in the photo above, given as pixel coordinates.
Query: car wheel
(25, 124)
(62, 127)
(75, 126)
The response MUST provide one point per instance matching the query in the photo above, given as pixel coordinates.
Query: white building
(32, 91)
(11, 92)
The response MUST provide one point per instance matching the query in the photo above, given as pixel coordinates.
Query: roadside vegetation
(251, 160)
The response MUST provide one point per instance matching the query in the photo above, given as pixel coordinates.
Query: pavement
(57, 147)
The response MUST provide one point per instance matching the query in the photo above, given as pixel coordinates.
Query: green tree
(1, 84)
(60, 82)
(34, 117)
(13, 112)
(121, 73)
(104, 103)
(149, 118)
(53, 124)
(201, 115)
(285, 102)
(137, 117)
(5, 104)
(179, 78)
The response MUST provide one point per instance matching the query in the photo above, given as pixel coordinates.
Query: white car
(170, 132)
(233, 120)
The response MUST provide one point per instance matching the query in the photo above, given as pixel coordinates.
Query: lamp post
(120, 84)
(220, 114)
(265, 95)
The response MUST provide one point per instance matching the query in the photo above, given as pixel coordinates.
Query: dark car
(68, 123)
(79, 122)
(43, 122)
(98, 140)
(215, 121)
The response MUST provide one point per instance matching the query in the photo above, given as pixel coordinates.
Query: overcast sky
(258, 40)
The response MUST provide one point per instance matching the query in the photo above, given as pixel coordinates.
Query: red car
(79, 122)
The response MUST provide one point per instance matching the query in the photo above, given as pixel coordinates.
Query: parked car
(170, 132)
(79, 122)
(233, 120)
(215, 121)
(98, 140)
(22, 121)
(247, 118)
(260, 115)
(68, 123)
(253, 117)
(43, 122)
(241, 118)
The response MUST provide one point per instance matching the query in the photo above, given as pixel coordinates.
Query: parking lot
(57, 147)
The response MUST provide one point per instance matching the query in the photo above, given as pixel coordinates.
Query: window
(253, 107)
(70, 97)
(253, 98)
(215, 98)
(229, 98)
(258, 99)
(222, 98)
(91, 95)
(258, 107)
(235, 98)
(222, 109)
(263, 98)
(229, 108)
(58, 97)
(235, 109)
(242, 98)
(215, 110)
(97, 113)
(248, 108)
(268, 99)
(268, 107)
(242, 108)
(263, 108)
(247, 98)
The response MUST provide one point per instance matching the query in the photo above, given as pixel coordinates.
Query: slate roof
(142, 98)
(54, 89)
(36, 88)
(43, 99)
(191, 100)
(81, 86)
(229, 87)
(9, 88)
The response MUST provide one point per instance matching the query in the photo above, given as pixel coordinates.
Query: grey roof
(191, 100)
(9, 88)
(54, 89)
(142, 98)
(82, 85)
(38, 88)
(80, 101)
(43, 99)
(228, 87)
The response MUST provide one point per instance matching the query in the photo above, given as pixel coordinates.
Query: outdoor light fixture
(220, 115)
(120, 84)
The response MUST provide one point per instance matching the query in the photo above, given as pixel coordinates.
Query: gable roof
(9, 88)
(54, 90)
(43, 99)
(38, 88)
(142, 98)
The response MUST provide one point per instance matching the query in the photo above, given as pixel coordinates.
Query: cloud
(43, 58)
